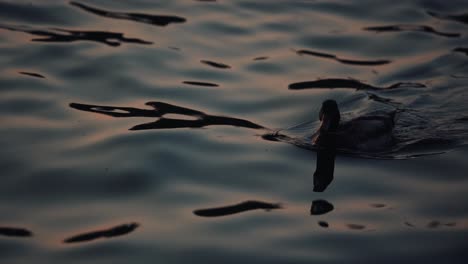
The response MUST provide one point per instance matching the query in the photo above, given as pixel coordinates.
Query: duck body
(366, 133)
(370, 133)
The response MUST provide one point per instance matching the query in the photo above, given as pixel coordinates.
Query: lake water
(134, 131)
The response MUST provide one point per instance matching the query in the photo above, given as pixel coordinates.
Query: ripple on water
(113, 39)
(158, 20)
(36, 14)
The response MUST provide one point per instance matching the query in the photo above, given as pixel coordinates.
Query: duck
(370, 133)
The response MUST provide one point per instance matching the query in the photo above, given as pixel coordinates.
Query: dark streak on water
(417, 28)
(65, 35)
(260, 58)
(158, 20)
(438, 224)
(159, 110)
(216, 64)
(119, 230)
(462, 18)
(14, 232)
(434, 224)
(458, 76)
(237, 208)
(207, 84)
(32, 74)
(349, 83)
(383, 100)
(323, 224)
(356, 226)
(344, 61)
(462, 50)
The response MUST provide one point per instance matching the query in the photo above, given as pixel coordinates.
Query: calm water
(132, 131)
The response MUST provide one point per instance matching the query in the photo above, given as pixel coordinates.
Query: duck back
(366, 133)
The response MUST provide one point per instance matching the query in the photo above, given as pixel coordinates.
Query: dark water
(134, 131)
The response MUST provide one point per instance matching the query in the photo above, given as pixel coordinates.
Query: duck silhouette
(369, 133)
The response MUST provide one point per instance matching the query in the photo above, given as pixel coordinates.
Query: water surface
(136, 131)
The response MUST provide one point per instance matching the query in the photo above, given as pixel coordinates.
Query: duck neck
(327, 132)
(329, 124)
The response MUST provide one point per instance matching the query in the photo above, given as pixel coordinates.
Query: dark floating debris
(451, 224)
(356, 226)
(463, 18)
(378, 205)
(409, 224)
(158, 20)
(344, 61)
(15, 232)
(207, 84)
(323, 224)
(32, 74)
(260, 58)
(63, 35)
(320, 207)
(216, 64)
(159, 110)
(237, 208)
(107, 233)
(349, 83)
(462, 50)
(417, 28)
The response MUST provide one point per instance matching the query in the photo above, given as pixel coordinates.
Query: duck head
(330, 116)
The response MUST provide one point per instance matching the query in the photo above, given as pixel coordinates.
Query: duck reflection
(325, 139)
(320, 207)
(324, 171)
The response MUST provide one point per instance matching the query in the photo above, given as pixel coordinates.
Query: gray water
(92, 172)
